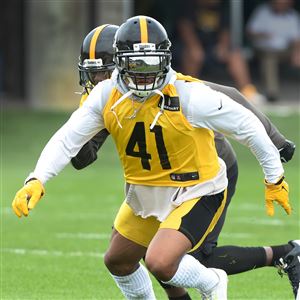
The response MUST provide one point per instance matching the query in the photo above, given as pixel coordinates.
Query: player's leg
(175, 293)
(141, 231)
(235, 259)
(290, 264)
(128, 245)
(122, 260)
(269, 62)
(186, 229)
(239, 70)
(123, 255)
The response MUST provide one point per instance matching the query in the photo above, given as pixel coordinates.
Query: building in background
(40, 43)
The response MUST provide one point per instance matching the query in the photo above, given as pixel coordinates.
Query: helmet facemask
(96, 56)
(93, 71)
(144, 69)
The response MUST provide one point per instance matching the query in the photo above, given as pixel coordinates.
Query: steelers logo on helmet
(96, 56)
(142, 54)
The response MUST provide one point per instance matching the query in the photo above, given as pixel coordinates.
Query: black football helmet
(96, 56)
(142, 54)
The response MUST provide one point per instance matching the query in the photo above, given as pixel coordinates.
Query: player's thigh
(130, 239)
(165, 252)
(135, 228)
(197, 218)
(184, 230)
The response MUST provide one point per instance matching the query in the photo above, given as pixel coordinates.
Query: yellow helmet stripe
(94, 41)
(144, 30)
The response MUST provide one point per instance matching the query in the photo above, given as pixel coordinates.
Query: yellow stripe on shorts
(173, 221)
(213, 222)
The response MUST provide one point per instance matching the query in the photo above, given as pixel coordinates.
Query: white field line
(7, 210)
(244, 207)
(256, 221)
(43, 252)
(282, 110)
(81, 235)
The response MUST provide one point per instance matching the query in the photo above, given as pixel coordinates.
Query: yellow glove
(278, 192)
(27, 197)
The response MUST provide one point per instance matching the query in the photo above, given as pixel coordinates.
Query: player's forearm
(65, 144)
(51, 161)
(262, 147)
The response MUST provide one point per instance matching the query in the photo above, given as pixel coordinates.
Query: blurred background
(230, 42)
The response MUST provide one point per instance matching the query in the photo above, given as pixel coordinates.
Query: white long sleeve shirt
(217, 112)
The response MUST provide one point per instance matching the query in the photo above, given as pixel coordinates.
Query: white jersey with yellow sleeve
(166, 140)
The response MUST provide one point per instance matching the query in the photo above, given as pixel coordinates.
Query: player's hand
(277, 192)
(27, 197)
(287, 151)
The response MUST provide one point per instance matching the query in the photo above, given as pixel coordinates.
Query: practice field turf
(57, 252)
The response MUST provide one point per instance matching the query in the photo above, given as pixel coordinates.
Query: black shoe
(290, 264)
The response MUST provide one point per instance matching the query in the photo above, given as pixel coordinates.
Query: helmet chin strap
(129, 93)
(161, 111)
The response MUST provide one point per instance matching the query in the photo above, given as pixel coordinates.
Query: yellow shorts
(195, 218)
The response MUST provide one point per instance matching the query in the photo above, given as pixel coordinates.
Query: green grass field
(57, 252)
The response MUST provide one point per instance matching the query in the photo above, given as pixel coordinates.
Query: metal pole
(128, 9)
(236, 22)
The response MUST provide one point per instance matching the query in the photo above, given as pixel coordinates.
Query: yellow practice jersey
(173, 153)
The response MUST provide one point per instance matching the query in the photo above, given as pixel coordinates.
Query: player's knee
(160, 267)
(117, 266)
(109, 261)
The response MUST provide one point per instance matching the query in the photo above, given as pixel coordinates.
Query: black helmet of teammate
(142, 54)
(96, 56)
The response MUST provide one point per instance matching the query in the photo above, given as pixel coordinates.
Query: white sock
(137, 285)
(192, 274)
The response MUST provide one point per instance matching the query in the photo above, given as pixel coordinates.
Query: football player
(162, 123)
(96, 64)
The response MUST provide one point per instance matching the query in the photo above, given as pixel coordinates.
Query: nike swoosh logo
(221, 105)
